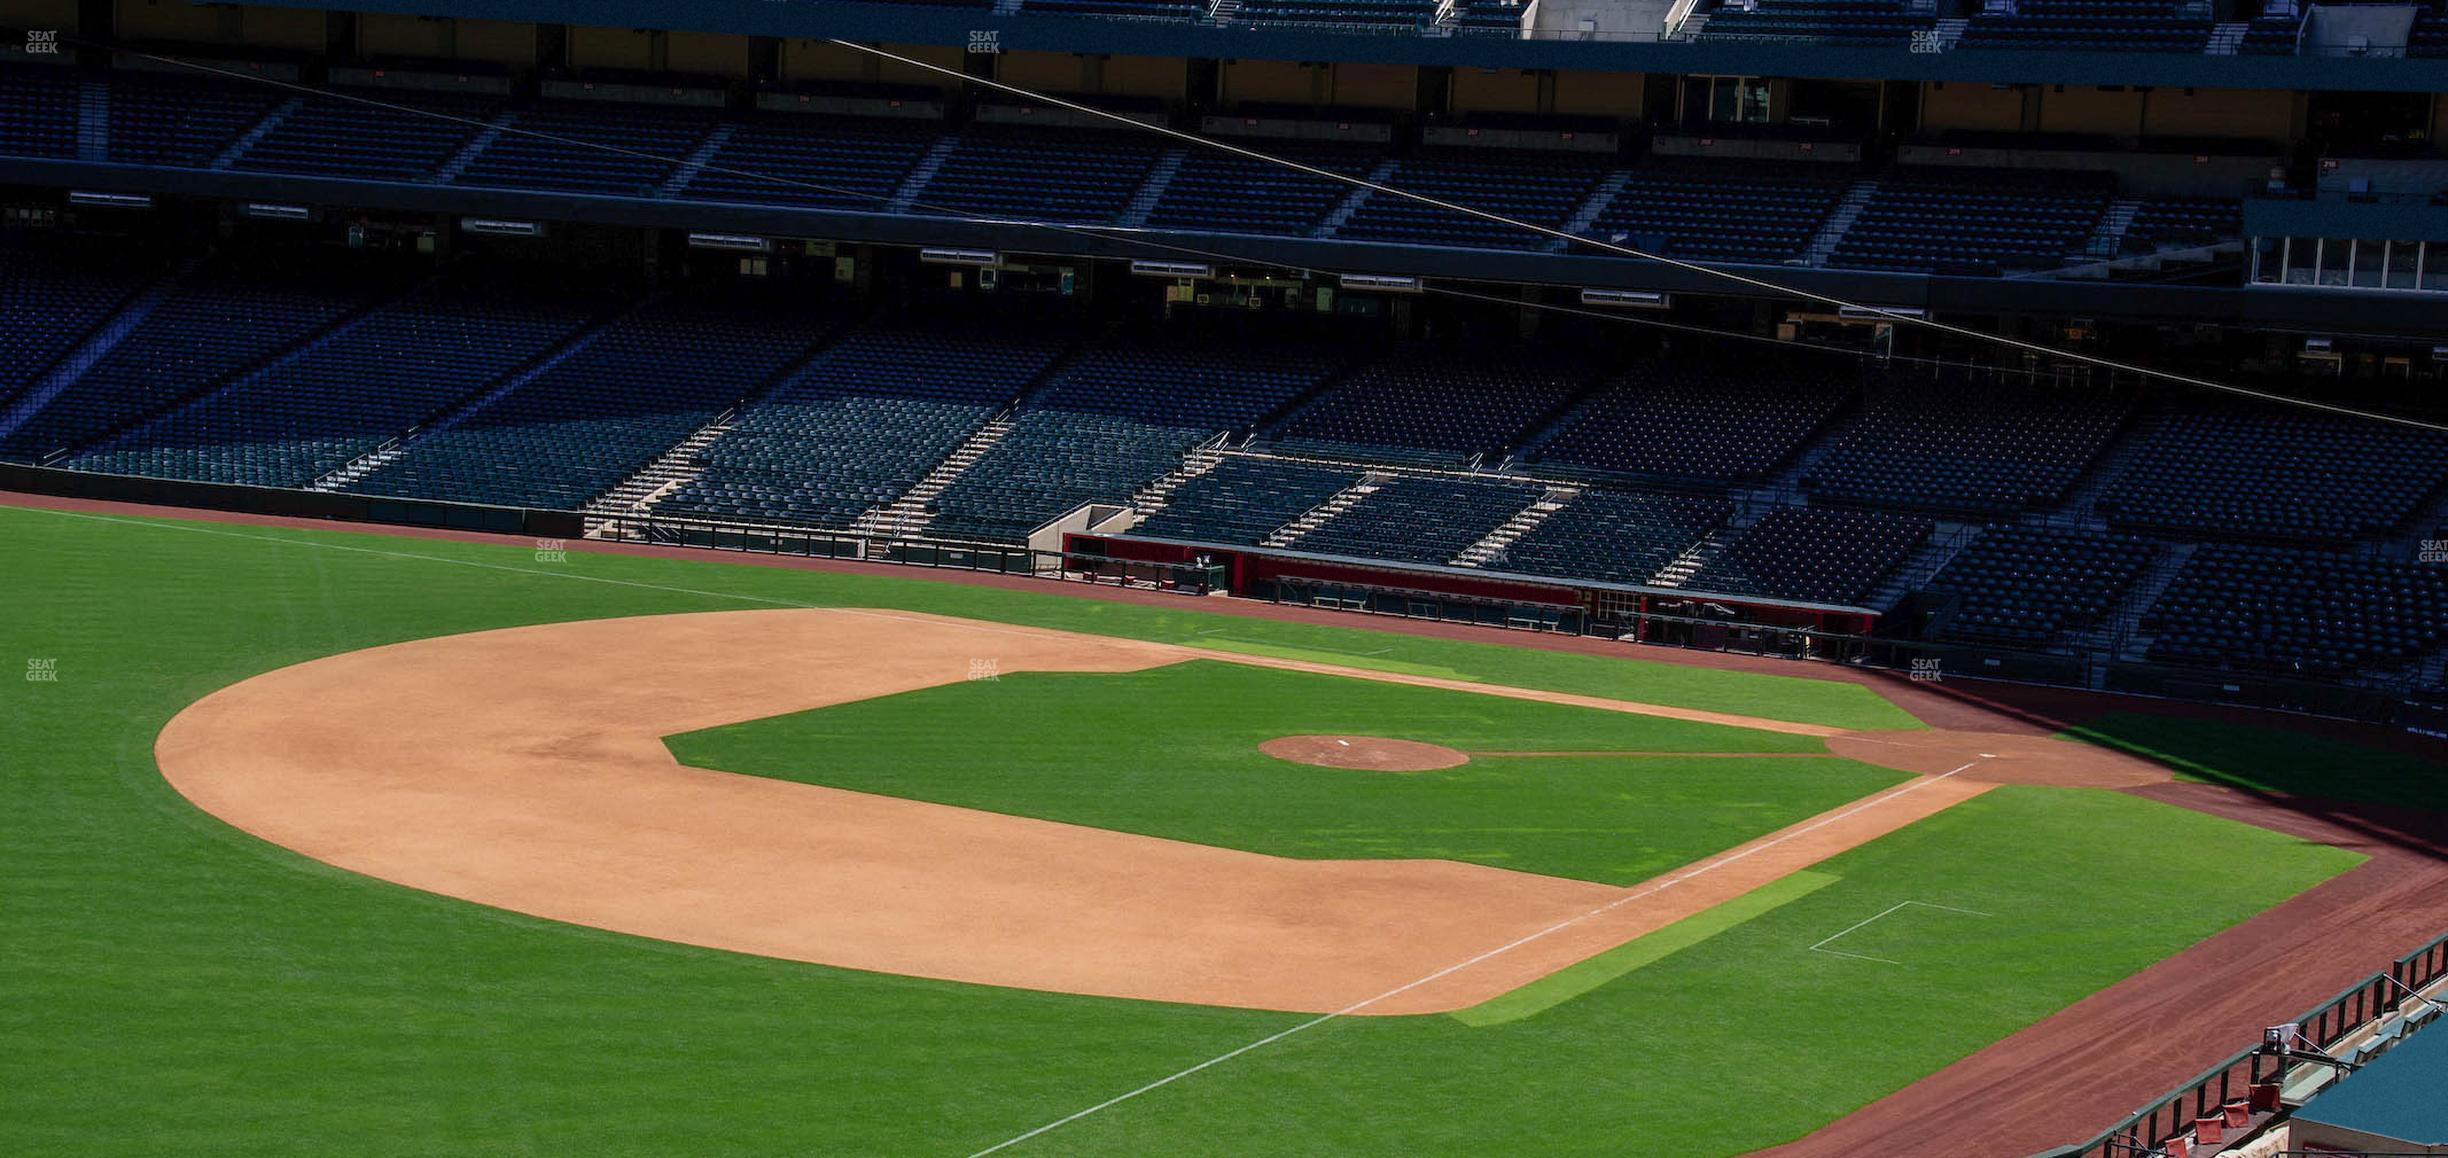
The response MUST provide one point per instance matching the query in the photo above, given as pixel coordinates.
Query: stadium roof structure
(2403, 1095)
(1636, 51)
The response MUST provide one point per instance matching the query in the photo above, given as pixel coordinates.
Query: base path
(525, 769)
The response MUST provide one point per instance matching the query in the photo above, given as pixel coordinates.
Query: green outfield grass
(175, 986)
(1078, 747)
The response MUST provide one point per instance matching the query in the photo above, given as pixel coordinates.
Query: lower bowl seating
(860, 424)
(1614, 536)
(2290, 611)
(2033, 586)
(1244, 500)
(1812, 554)
(1418, 520)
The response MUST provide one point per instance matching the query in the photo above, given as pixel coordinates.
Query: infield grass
(1084, 748)
(177, 986)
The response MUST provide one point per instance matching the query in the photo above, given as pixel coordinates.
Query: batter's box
(1827, 945)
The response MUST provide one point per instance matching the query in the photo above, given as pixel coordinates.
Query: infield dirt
(525, 769)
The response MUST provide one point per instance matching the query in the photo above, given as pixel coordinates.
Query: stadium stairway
(636, 495)
(1586, 216)
(1916, 572)
(263, 128)
(675, 468)
(2120, 635)
(93, 121)
(1290, 533)
(393, 450)
(206, 392)
(73, 365)
(477, 144)
(1831, 234)
(698, 158)
(2080, 505)
(2108, 238)
(1352, 201)
(922, 173)
(1698, 555)
(1153, 189)
(909, 515)
(1157, 495)
(1786, 485)
(2100, 643)
(1489, 551)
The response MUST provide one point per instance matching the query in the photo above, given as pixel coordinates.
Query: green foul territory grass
(2272, 760)
(1173, 752)
(175, 986)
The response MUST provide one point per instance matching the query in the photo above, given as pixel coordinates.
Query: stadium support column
(98, 20)
(552, 47)
(765, 60)
(1202, 86)
(339, 36)
(1435, 98)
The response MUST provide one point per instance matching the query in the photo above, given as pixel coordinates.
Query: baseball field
(320, 842)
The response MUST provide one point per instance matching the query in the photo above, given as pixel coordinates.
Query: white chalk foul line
(1457, 967)
(1822, 946)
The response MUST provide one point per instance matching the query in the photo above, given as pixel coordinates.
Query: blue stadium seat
(352, 389)
(335, 136)
(1539, 188)
(1812, 554)
(204, 329)
(1974, 221)
(1613, 536)
(1985, 447)
(1115, 418)
(581, 424)
(2276, 474)
(1244, 500)
(1431, 408)
(1699, 418)
(861, 423)
(2029, 586)
(823, 162)
(2290, 611)
(548, 148)
(1418, 520)
(52, 300)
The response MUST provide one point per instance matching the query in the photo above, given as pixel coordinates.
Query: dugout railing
(1189, 578)
(2254, 1075)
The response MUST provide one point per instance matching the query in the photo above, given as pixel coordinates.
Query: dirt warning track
(524, 768)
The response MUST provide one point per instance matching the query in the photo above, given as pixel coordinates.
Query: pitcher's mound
(1370, 753)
